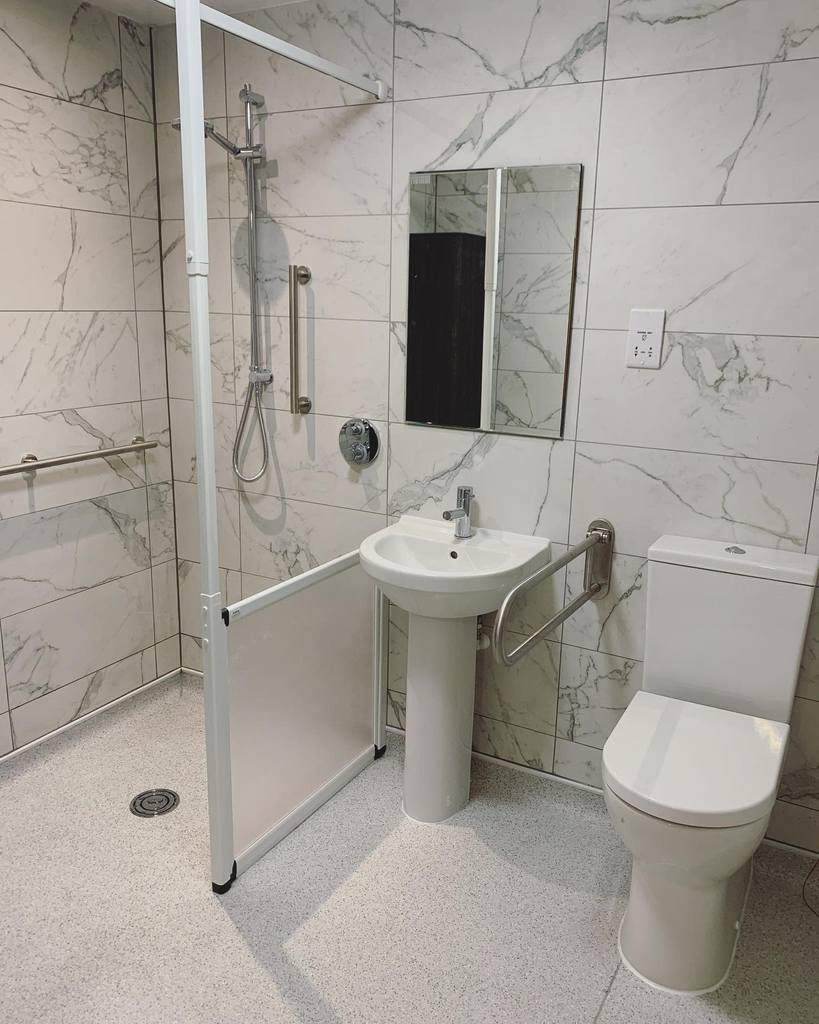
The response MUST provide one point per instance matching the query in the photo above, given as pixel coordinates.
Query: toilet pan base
(703, 961)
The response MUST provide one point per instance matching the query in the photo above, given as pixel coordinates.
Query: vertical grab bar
(298, 275)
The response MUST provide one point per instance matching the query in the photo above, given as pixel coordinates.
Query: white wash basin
(423, 568)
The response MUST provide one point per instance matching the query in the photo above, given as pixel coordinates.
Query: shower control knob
(358, 442)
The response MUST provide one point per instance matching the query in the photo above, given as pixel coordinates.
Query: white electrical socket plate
(645, 338)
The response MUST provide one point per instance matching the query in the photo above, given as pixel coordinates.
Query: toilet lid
(693, 764)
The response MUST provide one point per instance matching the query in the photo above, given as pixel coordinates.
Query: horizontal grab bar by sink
(31, 463)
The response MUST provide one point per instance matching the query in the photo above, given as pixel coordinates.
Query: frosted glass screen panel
(492, 259)
(301, 699)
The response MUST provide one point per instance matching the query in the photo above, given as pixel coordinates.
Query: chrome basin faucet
(462, 515)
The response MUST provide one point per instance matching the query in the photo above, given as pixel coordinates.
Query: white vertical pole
(493, 201)
(214, 633)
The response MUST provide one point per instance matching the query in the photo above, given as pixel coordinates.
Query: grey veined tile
(647, 37)
(461, 47)
(525, 694)
(78, 698)
(57, 643)
(86, 263)
(800, 776)
(137, 71)
(61, 154)
(67, 50)
(809, 672)
(595, 689)
(646, 493)
(513, 743)
(717, 393)
(737, 135)
(62, 360)
(616, 623)
(49, 555)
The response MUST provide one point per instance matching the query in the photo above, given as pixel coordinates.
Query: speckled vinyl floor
(507, 913)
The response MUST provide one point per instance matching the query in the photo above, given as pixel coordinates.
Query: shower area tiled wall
(698, 137)
(88, 603)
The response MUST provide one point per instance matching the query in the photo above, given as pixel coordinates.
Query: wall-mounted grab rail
(598, 547)
(30, 463)
(298, 275)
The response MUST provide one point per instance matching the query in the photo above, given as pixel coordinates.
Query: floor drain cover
(153, 802)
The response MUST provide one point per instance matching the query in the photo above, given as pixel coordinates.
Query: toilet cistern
(462, 515)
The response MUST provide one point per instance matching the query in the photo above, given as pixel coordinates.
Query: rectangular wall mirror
(492, 256)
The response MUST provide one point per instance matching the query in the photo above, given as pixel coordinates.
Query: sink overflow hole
(453, 554)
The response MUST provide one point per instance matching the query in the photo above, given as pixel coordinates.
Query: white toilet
(691, 770)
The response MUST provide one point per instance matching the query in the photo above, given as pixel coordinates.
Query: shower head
(212, 133)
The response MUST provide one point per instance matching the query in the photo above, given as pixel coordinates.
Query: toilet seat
(692, 764)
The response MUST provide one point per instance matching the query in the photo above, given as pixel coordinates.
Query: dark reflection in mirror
(492, 255)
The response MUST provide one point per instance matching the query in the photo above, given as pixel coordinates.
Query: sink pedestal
(440, 704)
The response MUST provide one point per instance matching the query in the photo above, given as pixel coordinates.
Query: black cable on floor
(805, 899)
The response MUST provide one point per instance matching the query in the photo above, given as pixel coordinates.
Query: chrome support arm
(597, 547)
(30, 463)
(298, 403)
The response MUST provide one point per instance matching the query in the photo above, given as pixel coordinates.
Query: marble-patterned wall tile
(398, 372)
(579, 763)
(66, 432)
(527, 401)
(398, 648)
(191, 653)
(306, 464)
(513, 743)
(6, 741)
(348, 258)
(64, 259)
(616, 623)
(157, 427)
(344, 364)
(43, 715)
(48, 555)
(183, 441)
(396, 710)
(331, 162)
(723, 394)
(167, 655)
(147, 264)
(44, 649)
(4, 696)
(166, 72)
(537, 283)
(534, 342)
(345, 31)
(727, 269)
(540, 222)
(595, 689)
(520, 127)
(180, 357)
(461, 47)
(525, 694)
(808, 685)
(166, 600)
(175, 274)
(161, 521)
(800, 776)
(169, 152)
(227, 520)
(738, 135)
(60, 360)
(522, 484)
(61, 154)
(153, 379)
(142, 173)
(137, 71)
(651, 38)
(69, 50)
(281, 538)
(813, 532)
(647, 492)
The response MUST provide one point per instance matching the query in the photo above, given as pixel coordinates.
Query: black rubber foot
(380, 751)
(220, 888)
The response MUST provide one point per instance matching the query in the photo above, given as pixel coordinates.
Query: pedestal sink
(444, 583)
